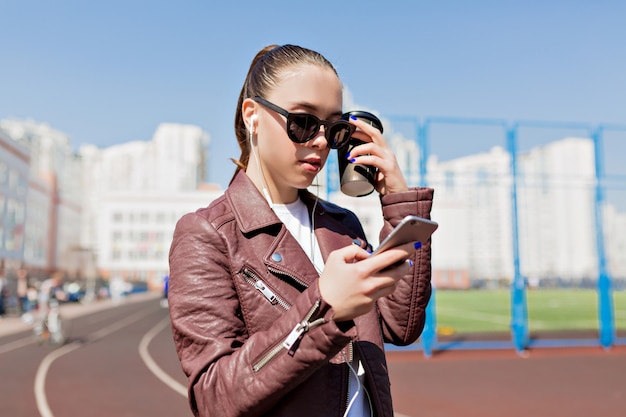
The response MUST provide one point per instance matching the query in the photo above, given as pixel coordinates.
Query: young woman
(277, 306)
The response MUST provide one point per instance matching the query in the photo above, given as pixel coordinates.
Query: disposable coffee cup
(357, 180)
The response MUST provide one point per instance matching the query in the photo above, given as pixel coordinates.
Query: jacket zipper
(294, 336)
(349, 360)
(270, 295)
(298, 281)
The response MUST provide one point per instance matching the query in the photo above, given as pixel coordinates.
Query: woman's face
(288, 166)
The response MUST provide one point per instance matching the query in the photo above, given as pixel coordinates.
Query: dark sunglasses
(302, 127)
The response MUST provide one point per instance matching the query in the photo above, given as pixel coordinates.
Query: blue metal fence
(510, 131)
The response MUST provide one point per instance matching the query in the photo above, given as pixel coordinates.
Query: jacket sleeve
(404, 311)
(216, 352)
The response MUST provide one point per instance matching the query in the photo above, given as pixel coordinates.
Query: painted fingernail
(418, 245)
(353, 160)
(352, 117)
(410, 262)
(348, 155)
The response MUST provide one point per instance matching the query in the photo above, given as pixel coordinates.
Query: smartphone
(410, 229)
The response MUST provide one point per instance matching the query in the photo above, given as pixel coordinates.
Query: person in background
(50, 291)
(166, 286)
(4, 291)
(276, 304)
(22, 294)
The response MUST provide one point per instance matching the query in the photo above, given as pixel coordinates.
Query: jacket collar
(249, 206)
(253, 212)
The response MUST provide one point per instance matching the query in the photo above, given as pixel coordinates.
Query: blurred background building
(41, 196)
(110, 212)
(97, 212)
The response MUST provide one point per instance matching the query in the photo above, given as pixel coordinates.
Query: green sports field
(548, 309)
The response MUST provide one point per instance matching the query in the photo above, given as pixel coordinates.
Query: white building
(136, 231)
(121, 223)
(14, 165)
(134, 194)
(615, 242)
(49, 184)
(556, 222)
(556, 211)
(473, 208)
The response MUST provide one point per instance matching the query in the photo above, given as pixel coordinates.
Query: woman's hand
(376, 152)
(353, 279)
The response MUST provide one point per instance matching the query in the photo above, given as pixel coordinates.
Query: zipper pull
(295, 336)
(293, 339)
(267, 293)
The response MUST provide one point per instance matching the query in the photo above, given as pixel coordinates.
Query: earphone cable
(358, 389)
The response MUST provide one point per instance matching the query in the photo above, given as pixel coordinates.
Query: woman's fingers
(353, 279)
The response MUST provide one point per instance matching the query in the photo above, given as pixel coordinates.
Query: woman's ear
(248, 111)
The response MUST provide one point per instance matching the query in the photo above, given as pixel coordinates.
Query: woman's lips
(311, 164)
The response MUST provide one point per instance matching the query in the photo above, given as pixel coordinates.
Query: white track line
(42, 371)
(40, 379)
(151, 363)
(158, 372)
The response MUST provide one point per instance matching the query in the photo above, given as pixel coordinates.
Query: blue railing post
(605, 300)
(519, 311)
(332, 174)
(429, 335)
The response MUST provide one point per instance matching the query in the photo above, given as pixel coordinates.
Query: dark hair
(263, 75)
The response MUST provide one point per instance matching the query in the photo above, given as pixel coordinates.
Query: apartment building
(133, 195)
(42, 206)
(112, 211)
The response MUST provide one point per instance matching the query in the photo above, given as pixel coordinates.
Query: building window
(15, 216)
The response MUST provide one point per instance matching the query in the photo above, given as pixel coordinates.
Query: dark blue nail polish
(353, 117)
(410, 262)
(353, 160)
(418, 245)
(348, 155)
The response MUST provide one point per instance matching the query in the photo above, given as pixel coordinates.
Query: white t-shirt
(296, 218)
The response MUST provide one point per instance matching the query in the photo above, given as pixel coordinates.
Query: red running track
(568, 382)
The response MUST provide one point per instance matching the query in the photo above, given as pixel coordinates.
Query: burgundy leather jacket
(251, 330)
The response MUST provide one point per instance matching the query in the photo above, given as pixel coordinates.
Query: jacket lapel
(284, 255)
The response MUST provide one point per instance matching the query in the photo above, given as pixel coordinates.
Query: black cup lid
(362, 114)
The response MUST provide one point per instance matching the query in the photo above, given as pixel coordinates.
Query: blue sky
(110, 72)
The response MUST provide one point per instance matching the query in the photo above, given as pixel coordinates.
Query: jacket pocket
(269, 293)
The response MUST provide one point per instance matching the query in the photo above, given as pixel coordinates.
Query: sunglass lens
(302, 127)
(338, 135)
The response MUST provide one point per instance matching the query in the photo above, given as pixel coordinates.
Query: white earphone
(252, 121)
